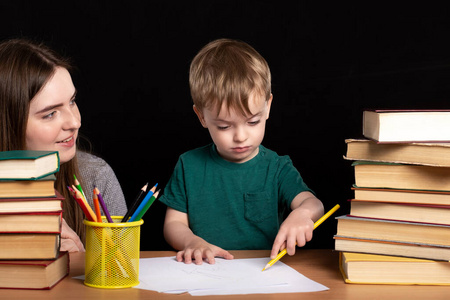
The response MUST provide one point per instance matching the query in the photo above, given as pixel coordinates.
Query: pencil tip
(266, 267)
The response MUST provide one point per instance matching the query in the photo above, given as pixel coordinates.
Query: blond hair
(228, 71)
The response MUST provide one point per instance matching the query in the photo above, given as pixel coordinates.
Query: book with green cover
(28, 164)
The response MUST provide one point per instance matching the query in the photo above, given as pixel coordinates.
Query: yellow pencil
(317, 223)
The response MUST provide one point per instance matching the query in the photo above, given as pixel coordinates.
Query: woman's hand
(70, 241)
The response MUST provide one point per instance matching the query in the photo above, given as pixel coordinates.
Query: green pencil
(78, 185)
(147, 206)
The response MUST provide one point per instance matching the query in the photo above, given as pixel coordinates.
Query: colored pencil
(97, 208)
(317, 223)
(78, 185)
(86, 204)
(146, 207)
(103, 205)
(135, 203)
(76, 194)
(143, 202)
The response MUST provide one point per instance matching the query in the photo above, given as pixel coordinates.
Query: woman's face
(54, 118)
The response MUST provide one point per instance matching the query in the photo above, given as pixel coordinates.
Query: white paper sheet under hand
(225, 277)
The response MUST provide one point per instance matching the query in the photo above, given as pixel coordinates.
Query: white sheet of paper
(225, 277)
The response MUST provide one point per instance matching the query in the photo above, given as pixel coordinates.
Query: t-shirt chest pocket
(259, 206)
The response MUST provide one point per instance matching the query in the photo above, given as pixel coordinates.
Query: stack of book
(400, 215)
(30, 221)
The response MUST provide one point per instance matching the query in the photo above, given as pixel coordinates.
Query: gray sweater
(96, 172)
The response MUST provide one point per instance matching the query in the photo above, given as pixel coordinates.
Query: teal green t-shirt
(233, 206)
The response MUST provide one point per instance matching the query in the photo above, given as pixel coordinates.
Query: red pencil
(76, 194)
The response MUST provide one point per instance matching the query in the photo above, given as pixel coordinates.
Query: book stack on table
(398, 228)
(30, 221)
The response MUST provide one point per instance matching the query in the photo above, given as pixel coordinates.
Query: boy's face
(237, 137)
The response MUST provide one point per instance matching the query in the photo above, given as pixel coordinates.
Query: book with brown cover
(402, 196)
(437, 214)
(394, 248)
(42, 187)
(383, 269)
(401, 176)
(400, 231)
(431, 154)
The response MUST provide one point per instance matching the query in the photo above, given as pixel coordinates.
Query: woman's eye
(50, 115)
(223, 127)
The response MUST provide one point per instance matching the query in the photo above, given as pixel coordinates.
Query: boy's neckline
(232, 165)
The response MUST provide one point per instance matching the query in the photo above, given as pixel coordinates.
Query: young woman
(38, 112)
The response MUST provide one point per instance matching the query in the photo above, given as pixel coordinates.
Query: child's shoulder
(270, 154)
(197, 153)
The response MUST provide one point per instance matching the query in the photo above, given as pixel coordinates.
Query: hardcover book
(32, 204)
(33, 274)
(41, 187)
(400, 176)
(47, 222)
(383, 269)
(29, 245)
(400, 231)
(431, 154)
(438, 214)
(28, 164)
(393, 126)
(394, 248)
(402, 196)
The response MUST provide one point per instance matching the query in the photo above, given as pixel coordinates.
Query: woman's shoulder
(87, 160)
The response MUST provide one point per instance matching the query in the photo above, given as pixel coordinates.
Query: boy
(232, 194)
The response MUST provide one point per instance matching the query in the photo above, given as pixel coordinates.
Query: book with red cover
(32, 204)
(34, 274)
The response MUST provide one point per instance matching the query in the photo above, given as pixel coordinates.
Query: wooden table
(318, 265)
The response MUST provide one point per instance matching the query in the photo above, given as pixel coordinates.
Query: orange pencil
(89, 212)
(97, 208)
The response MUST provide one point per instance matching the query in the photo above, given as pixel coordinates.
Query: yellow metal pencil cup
(112, 253)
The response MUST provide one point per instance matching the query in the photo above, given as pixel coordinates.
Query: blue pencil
(142, 205)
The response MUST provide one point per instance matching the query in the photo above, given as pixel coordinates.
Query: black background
(329, 61)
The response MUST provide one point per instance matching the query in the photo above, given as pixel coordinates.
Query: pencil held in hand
(316, 224)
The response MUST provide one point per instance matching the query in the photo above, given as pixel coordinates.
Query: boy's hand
(198, 250)
(296, 229)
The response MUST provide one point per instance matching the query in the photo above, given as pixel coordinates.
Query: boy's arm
(299, 225)
(178, 234)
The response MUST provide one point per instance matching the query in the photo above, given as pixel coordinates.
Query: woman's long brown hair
(25, 67)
